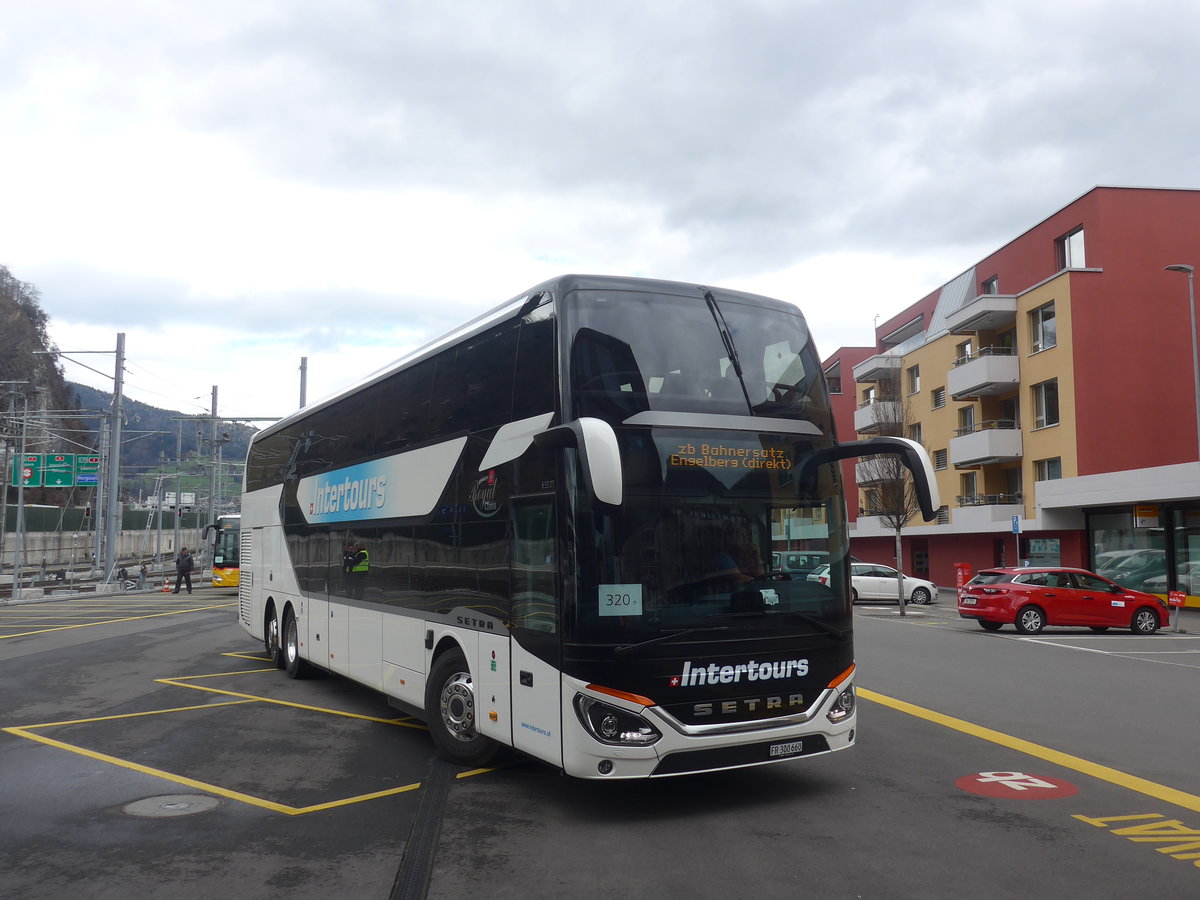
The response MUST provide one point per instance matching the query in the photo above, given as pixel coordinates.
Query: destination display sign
(728, 456)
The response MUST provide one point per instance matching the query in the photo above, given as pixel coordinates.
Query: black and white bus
(552, 529)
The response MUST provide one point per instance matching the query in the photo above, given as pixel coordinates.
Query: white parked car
(1188, 580)
(873, 581)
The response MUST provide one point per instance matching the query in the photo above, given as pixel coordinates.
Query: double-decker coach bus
(551, 530)
(226, 546)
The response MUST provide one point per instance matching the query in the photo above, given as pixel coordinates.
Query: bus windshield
(707, 504)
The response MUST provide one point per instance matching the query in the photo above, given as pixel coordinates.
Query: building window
(1045, 404)
(1012, 483)
(914, 379)
(966, 420)
(962, 352)
(833, 378)
(1070, 250)
(967, 487)
(939, 397)
(940, 459)
(1043, 328)
(943, 515)
(914, 432)
(992, 285)
(1047, 469)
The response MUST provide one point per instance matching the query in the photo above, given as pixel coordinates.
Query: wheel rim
(290, 644)
(1031, 620)
(457, 706)
(1145, 621)
(920, 596)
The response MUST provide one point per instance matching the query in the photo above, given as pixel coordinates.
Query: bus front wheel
(451, 711)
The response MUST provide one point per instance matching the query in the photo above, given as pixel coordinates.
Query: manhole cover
(171, 805)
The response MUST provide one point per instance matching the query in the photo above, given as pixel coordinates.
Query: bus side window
(533, 381)
(535, 567)
(472, 384)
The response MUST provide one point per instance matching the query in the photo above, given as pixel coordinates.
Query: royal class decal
(711, 673)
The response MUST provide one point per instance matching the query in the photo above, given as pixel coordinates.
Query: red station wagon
(1032, 598)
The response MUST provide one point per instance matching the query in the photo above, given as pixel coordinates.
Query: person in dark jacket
(183, 570)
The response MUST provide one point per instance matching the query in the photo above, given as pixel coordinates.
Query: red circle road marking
(1016, 784)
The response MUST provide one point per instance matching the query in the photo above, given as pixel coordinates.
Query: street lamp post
(1191, 274)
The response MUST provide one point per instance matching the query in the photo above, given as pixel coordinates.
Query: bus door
(536, 654)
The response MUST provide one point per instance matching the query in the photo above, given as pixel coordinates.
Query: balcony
(990, 500)
(988, 442)
(877, 469)
(987, 312)
(877, 368)
(994, 370)
(988, 512)
(875, 415)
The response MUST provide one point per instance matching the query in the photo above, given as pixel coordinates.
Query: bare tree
(889, 488)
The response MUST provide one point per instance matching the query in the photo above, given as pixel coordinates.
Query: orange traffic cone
(166, 586)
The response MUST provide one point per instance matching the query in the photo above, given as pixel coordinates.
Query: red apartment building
(1053, 384)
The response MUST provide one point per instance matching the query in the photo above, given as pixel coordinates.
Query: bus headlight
(611, 725)
(842, 707)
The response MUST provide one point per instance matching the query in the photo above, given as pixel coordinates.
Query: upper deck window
(633, 352)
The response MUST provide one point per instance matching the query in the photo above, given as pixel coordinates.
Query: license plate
(968, 601)
(791, 748)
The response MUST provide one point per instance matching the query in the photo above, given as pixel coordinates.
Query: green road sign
(28, 469)
(87, 470)
(58, 470)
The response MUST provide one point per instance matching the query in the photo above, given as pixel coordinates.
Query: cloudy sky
(237, 184)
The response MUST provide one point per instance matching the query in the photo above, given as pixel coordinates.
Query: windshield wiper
(626, 649)
(727, 339)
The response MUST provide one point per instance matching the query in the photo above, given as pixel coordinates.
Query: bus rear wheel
(296, 667)
(451, 711)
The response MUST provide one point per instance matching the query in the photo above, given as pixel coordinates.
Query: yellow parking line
(1066, 760)
(174, 612)
(406, 722)
(149, 712)
(205, 786)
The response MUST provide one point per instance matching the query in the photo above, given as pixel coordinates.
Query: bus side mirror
(911, 454)
(599, 453)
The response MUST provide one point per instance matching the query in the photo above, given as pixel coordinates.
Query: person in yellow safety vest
(358, 572)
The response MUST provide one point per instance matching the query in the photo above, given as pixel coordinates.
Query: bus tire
(295, 666)
(451, 710)
(273, 638)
